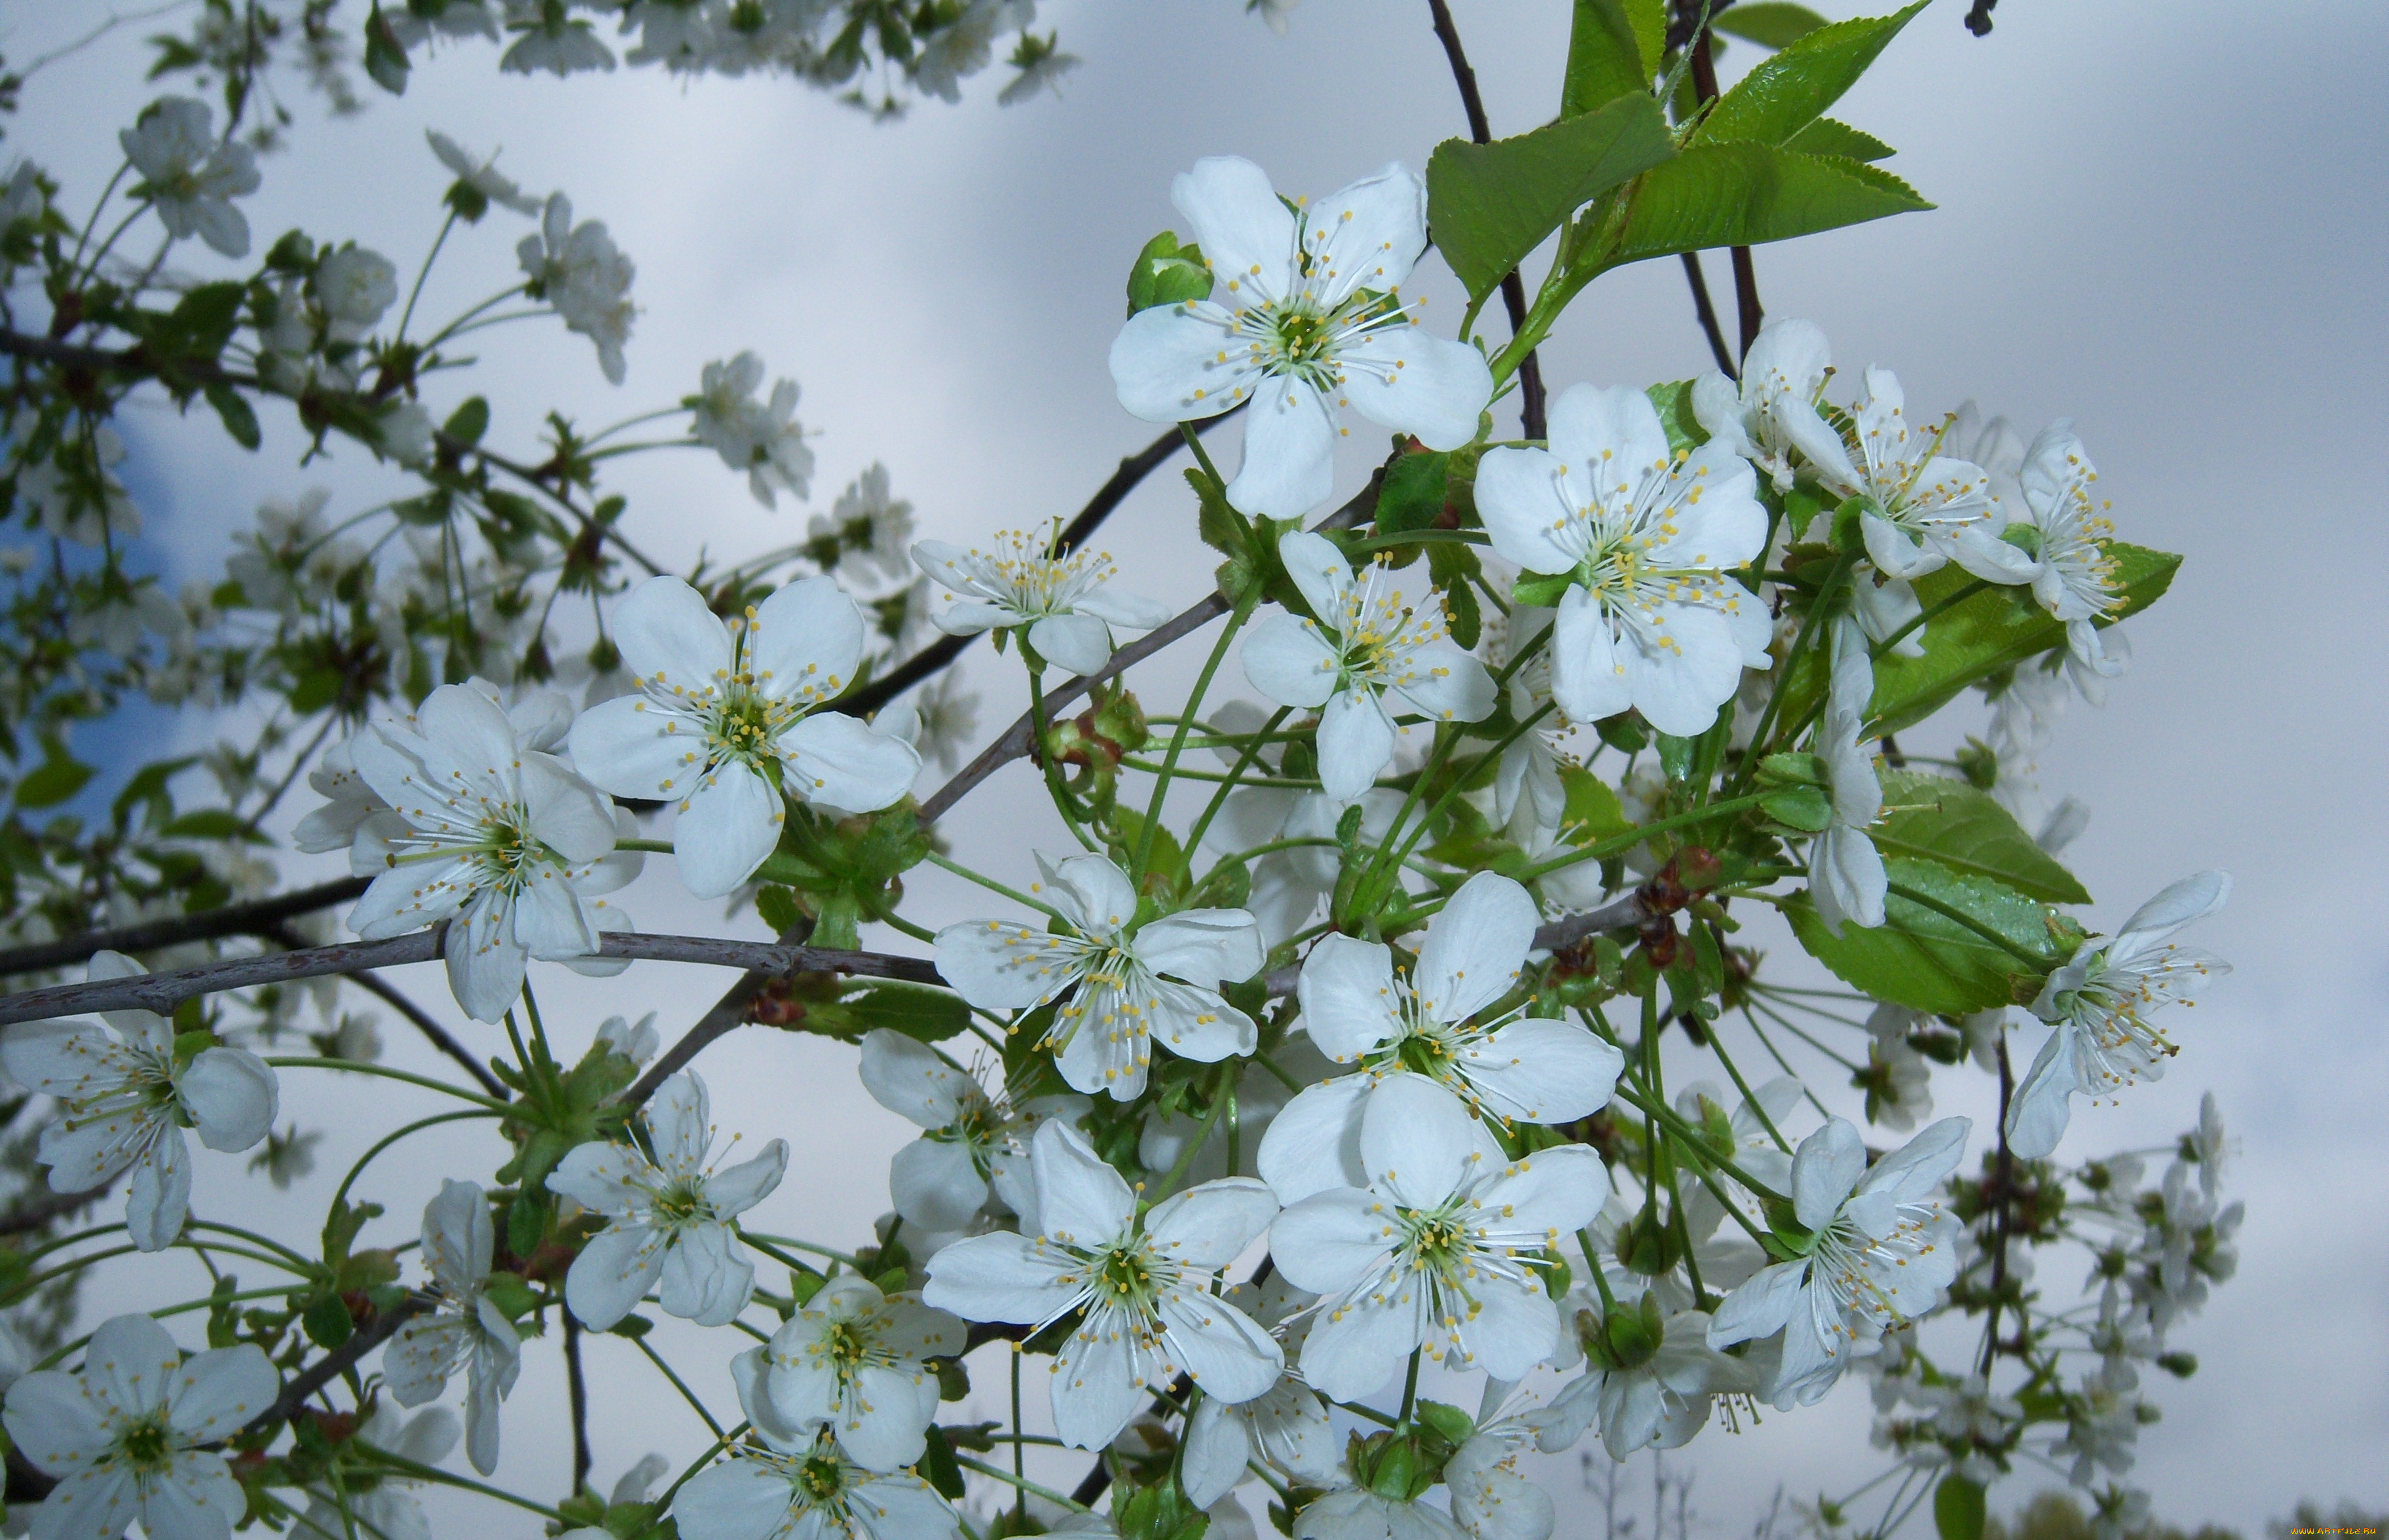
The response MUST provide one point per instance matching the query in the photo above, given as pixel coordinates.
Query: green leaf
(1788, 92)
(1768, 24)
(469, 422)
(1606, 58)
(1800, 807)
(385, 61)
(1673, 401)
(1966, 831)
(1996, 628)
(1747, 195)
(1922, 959)
(1591, 811)
(1489, 205)
(212, 823)
(233, 410)
(1166, 274)
(937, 1467)
(326, 1320)
(1827, 137)
(52, 782)
(1958, 1508)
(1411, 495)
(918, 1011)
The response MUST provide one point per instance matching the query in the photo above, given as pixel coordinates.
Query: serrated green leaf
(1768, 24)
(1591, 811)
(1673, 401)
(327, 1321)
(777, 908)
(1750, 194)
(1791, 90)
(1489, 205)
(1605, 59)
(1996, 628)
(1921, 958)
(1411, 495)
(937, 1467)
(1800, 807)
(1966, 831)
(919, 1011)
(233, 410)
(1827, 137)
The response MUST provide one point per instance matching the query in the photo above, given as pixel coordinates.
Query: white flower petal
(1289, 466)
(1407, 380)
(729, 824)
(1476, 947)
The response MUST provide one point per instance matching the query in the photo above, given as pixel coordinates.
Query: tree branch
(390, 995)
(259, 917)
(1745, 276)
(939, 654)
(1707, 312)
(1513, 291)
(34, 1213)
(332, 1365)
(1017, 739)
(163, 992)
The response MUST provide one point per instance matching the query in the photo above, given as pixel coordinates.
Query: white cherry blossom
(1305, 320)
(579, 270)
(2100, 1003)
(872, 523)
(123, 1435)
(1440, 1250)
(354, 286)
(465, 1330)
(1845, 873)
(501, 839)
(1286, 1427)
(1489, 1499)
(189, 176)
(1065, 602)
(972, 1146)
(124, 1098)
(1356, 1513)
(1363, 643)
(807, 1491)
(1879, 1249)
(1143, 1284)
(479, 172)
(671, 1216)
(1651, 1383)
(761, 437)
(1929, 509)
(1651, 618)
(854, 1360)
(2076, 580)
(1771, 414)
(387, 1509)
(1288, 885)
(1103, 1036)
(724, 720)
(1435, 1023)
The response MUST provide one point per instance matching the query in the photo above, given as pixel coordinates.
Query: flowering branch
(258, 917)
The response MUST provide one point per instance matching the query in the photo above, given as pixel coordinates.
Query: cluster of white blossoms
(1264, 1158)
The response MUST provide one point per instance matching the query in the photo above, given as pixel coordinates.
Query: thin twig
(163, 992)
(577, 1393)
(1745, 276)
(1017, 739)
(390, 995)
(332, 1365)
(1623, 913)
(1513, 291)
(1703, 308)
(259, 917)
(34, 1213)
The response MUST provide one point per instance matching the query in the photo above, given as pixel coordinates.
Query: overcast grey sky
(2165, 221)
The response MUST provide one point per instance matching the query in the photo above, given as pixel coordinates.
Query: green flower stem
(1409, 1389)
(685, 1393)
(308, 1061)
(1236, 619)
(1291, 782)
(422, 273)
(1251, 751)
(1461, 780)
(433, 1473)
(1617, 845)
(663, 1503)
(1918, 622)
(992, 885)
(340, 1196)
(1584, 1243)
(308, 1262)
(1223, 1091)
(1786, 1065)
(1718, 1048)
(64, 1269)
(1288, 1081)
(1690, 1138)
(1043, 731)
(1202, 458)
(1027, 1487)
(765, 1244)
(1834, 576)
